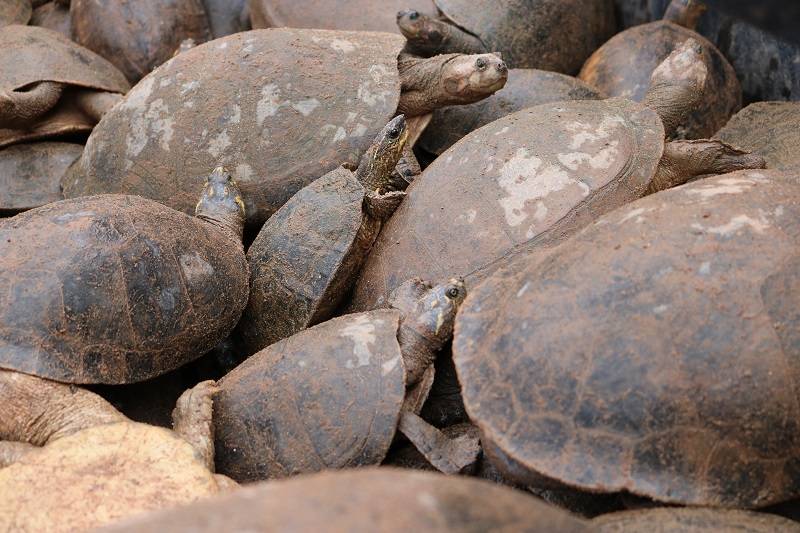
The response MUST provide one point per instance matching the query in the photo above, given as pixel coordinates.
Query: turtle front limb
(22, 107)
(428, 36)
(449, 456)
(11, 452)
(192, 420)
(95, 104)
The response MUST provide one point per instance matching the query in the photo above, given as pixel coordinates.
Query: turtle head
(378, 162)
(470, 78)
(221, 203)
(426, 35)
(431, 309)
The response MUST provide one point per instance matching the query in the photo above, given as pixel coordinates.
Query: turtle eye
(453, 292)
(414, 15)
(480, 63)
(394, 133)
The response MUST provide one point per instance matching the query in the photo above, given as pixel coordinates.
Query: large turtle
(769, 129)
(30, 174)
(539, 175)
(117, 289)
(688, 520)
(655, 352)
(50, 86)
(553, 35)
(288, 107)
(54, 16)
(622, 67)
(69, 461)
(15, 12)
(305, 258)
(334, 395)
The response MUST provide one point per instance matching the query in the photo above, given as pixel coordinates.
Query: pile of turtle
(389, 265)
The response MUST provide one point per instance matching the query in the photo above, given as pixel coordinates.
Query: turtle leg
(21, 107)
(382, 206)
(94, 104)
(449, 456)
(192, 420)
(11, 452)
(39, 411)
(684, 160)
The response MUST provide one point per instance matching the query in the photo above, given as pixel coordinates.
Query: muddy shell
(357, 15)
(137, 36)
(530, 179)
(674, 520)
(53, 16)
(327, 397)
(114, 289)
(227, 17)
(524, 88)
(623, 66)
(769, 129)
(288, 107)
(666, 349)
(30, 174)
(14, 12)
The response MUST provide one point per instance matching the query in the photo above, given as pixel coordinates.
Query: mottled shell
(305, 258)
(30, 174)
(53, 16)
(623, 66)
(555, 35)
(137, 36)
(529, 179)
(656, 352)
(101, 475)
(356, 15)
(769, 129)
(227, 17)
(687, 520)
(114, 289)
(327, 397)
(367, 500)
(525, 88)
(279, 108)
(14, 12)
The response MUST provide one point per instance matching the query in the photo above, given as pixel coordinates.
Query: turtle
(769, 129)
(555, 35)
(305, 102)
(53, 15)
(15, 12)
(622, 67)
(688, 293)
(50, 86)
(30, 174)
(366, 500)
(335, 394)
(137, 36)
(357, 15)
(69, 461)
(115, 289)
(534, 177)
(306, 256)
(688, 520)
(524, 88)
(226, 17)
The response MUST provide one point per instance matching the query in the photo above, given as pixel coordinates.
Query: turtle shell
(524, 88)
(655, 352)
(356, 15)
(327, 397)
(769, 129)
(555, 35)
(100, 475)
(137, 36)
(687, 520)
(114, 289)
(227, 16)
(53, 16)
(279, 107)
(529, 179)
(14, 12)
(623, 66)
(30, 174)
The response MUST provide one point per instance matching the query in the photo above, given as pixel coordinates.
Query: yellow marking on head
(239, 202)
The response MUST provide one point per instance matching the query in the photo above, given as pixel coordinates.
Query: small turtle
(769, 129)
(50, 86)
(535, 177)
(334, 395)
(30, 174)
(15, 12)
(687, 520)
(622, 67)
(655, 352)
(54, 16)
(366, 500)
(289, 106)
(305, 258)
(117, 289)
(69, 461)
(555, 35)
(227, 17)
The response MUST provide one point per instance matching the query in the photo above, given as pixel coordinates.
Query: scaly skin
(428, 36)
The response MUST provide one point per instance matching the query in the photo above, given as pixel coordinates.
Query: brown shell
(305, 258)
(30, 174)
(327, 397)
(555, 35)
(655, 352)
(524, 88)
(279, 108)
(675, 520)
(623, 66)
(227, 17)
(101, 475)
(53, 16)
(114, 289)
(14, 12)
(356, 15)
(529, 179)
(769, 129)
(137, 36)
(364, 501)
